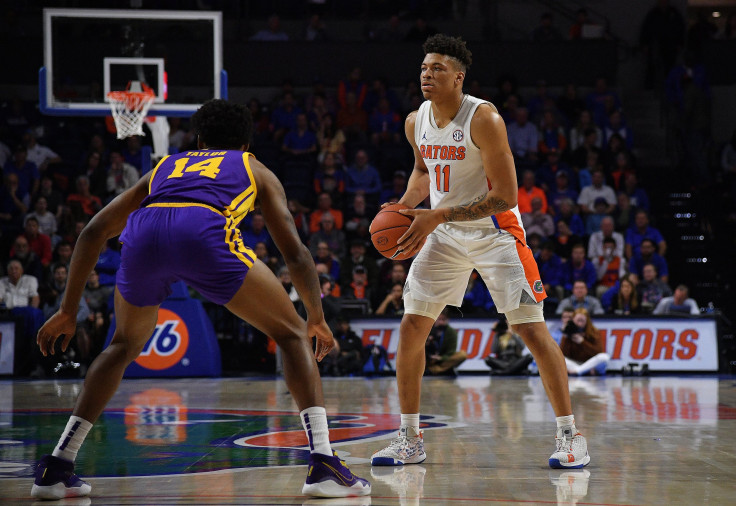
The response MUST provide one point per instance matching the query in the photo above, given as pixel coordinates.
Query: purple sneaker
(330, 477)
(55, 479)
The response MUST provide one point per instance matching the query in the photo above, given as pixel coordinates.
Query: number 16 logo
(167, 345)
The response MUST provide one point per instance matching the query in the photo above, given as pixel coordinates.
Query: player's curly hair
(223, 125)
(454, 47)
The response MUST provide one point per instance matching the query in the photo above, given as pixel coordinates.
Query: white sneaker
(407, 448)
(572, 450)
(571, 486)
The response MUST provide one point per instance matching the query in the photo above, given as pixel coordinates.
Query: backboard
(89, 52)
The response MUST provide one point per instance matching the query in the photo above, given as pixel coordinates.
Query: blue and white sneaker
(328, 476)
(55, 479)
(407, 448)
(571, 452)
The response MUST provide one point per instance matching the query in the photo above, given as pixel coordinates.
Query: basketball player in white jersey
(463, 161)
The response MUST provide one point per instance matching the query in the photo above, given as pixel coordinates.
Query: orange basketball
(386, 229)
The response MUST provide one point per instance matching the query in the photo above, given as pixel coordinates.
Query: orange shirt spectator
(528, 191)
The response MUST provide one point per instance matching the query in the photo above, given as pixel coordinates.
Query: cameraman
(582, 346)
(507, 350)
(441, 350)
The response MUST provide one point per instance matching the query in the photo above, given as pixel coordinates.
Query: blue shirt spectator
(550, 267)
(647, 255)
(523, 135)
(107, 266)
(363, 177)
(640, 231)
(27, 172)
(579, 268)
(256, 233)
(300, 140)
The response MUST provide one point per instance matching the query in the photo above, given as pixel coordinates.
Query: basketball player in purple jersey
(462, 160)
(180, 222)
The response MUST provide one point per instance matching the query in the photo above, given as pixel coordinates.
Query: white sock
(314, 420)
(411, 421)
(72, 438)
(565, 423)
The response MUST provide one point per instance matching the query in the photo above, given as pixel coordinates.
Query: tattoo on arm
(483, 206)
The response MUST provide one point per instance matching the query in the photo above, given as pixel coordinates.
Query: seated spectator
(627, 301)
(442, 355)
(507, 352)
(120, 176)
(565, 317)
(327, 233)
(133, 153)
(539, 103)
(393, 302)
(597, 189)
(595, 243)
(623, 215)
(331, 139)
(614, 146)
(54, 199)
(678, 304)
(27, 172)
(552, 134)
(564, 239)
(324, 205)
(82, 203)
(301, 221)
(358, 217)
(550, 270)
(331, 305)
(581, 131)
(62, 256)
(609, 266)
(651, 288)
(585, 171)
(398, 276)
(640, 231)
(637, 196)
(283, 116)
(46, 220)
(621, 169)
(289, 288)
(582, 346)
(12, 208)
(537, 221)
(616, 125)
(358, 289)
(272, 32)
(647, 255)
(21, 251)
(527, 191)
(39, 243)
(355, 84)
(346, 358)
(578, 268)
(330, 178)
(39, 155)
(95, 327)
(570, 104)
(580, 299)
(566, 213)
(256, 232)
(356, 257)
(108, 264)
(548, 174)
(593, 220)
(362, 177)
(325, 256)
(523, 139)
(96, 173)
(385, 124)
(352, 119)
(300, 141)
(588, 146)
(600, 100)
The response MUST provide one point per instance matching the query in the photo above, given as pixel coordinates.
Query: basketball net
(130, 107)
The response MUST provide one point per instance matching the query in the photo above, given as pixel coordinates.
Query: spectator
(545, 32)
(593, 220)
(39, 155)
(83, 204)
(576, 29)
(677, 304)
(180, 137)
(609, 266)
(588, 143)
(507, 356)
(623, 215)
(585, 172)
(561, 189)
(570, 105)
(358, 218)
(30, 262)
(393, 303)
(662, 38)
(648, 255)
(580, 132)
(627, 301)
(595, 243)
(578, 268)
(357, 257)
(97, 296)
(334, 238)
(120, 175)
(547, 173)
(325, 256)
(477, 299)
(528, 191)
(364, 178)
(398, 276)
(133, 153)
(552, 134)
(330, 178)
(62, 256)
(355, 84)
(398, 187)
(358, 289)
(550, 270)
(729, 30)
(621, 169)
(330, 301)
(580, 299)
(352, 119)
(273, 31)
(301, 221)
(54, 199)
(537, 221)
(597, 189)
(565, 317)
(582, 346)
(442, 355)
(637, 196)
(283, 117)
(346, 358)
(300, 141)
(107, 266)
(39, 243)
(46, 220)
(565, 239)
(4, 154)
(540, 102)
(324, 205)
(523, 138)
(27, 172)
(616, 125)
(600, 100)
(640, 231)
(651, 289)
(12, 208)
(331, 140)
(385, 124)
(289, 288)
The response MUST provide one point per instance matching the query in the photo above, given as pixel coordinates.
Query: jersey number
(443, 178)
(207, 168)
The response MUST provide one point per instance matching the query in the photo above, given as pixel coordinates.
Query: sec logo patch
(458, 135)
(167, 345)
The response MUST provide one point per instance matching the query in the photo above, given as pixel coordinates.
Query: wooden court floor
(653, 440)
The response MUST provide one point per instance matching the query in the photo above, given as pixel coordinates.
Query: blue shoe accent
(385, 461)
(328, 476)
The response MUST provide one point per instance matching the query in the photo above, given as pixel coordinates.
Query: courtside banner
(667, 344)
(7, 347)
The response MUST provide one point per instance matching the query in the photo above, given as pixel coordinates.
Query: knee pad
(526, 313)
(422, 307)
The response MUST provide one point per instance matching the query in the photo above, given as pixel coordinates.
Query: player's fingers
(65, 342)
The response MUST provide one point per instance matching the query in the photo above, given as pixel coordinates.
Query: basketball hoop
(129, 108)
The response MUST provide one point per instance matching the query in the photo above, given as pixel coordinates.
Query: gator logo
(538, 286)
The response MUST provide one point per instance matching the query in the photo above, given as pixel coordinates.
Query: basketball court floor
(653, 440)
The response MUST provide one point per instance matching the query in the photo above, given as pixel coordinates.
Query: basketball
(386, 229)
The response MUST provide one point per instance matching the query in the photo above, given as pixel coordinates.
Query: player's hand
(425, 221)
(325, 341)
(61, 323)
(386, 204)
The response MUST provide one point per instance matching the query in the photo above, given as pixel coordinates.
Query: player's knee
(526, 313)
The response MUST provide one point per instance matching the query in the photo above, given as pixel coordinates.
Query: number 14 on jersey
(442, 175)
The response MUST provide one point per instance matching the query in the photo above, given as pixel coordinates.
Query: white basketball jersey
(455, 167)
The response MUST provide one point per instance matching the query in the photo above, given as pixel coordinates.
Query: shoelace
(562, 444)
(398, 443)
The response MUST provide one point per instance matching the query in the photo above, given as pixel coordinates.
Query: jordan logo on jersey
(458, 135)
(424, 136)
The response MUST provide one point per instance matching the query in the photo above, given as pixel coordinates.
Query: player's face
(439, 76)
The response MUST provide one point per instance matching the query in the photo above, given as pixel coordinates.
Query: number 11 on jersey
(443, 177)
